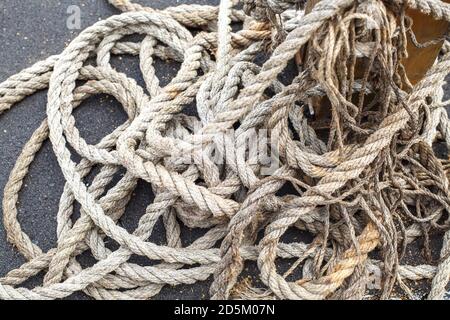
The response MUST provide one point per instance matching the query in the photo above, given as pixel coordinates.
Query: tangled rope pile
(366, 181)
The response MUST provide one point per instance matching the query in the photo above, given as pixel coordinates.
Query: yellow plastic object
(425, 29)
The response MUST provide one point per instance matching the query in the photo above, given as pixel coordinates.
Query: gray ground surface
(30, 31)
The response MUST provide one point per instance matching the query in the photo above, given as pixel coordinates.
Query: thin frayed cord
(352, 192)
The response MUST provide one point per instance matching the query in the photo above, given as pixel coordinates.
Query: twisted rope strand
(363, 178)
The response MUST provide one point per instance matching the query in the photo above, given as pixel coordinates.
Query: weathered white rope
(338, 190)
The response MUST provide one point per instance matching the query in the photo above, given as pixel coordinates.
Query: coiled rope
(372, 184)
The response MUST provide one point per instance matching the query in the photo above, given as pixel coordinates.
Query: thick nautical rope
(340, 187)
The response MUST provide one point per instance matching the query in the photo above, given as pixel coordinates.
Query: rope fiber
(344, 152)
